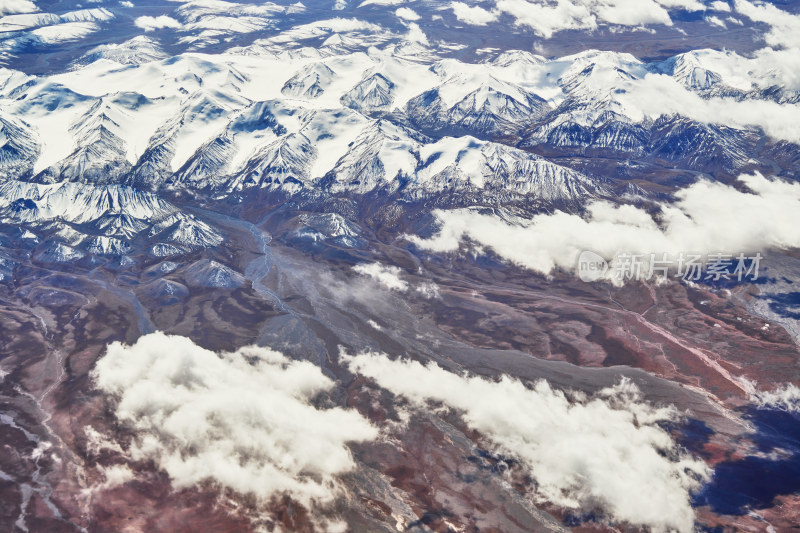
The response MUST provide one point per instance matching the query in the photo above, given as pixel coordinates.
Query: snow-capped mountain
(383, 155)
(310, 81)
(372, 94)
(100, 155)
(687, 69)
(486, 111)
(702, 146)
(19, 148)
(364, 110)
(465, 163)
(217, 216)
(218, 129)
(136, 51)
(100, 218)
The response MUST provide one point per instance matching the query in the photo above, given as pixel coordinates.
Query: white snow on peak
(315, 98)
(140, 49)
(80, 202)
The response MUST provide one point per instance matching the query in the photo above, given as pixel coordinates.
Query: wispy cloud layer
(605, 453)
(786, 398)
(547, 17)
(707, 218)
(387, 276)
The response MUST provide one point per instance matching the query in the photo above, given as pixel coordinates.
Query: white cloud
(415, 34)
(785, 27)
(716, 21)
(708, 217)
(603, 453)
(649, 95)
(155, 23)
(96, 442)
(339, 24)
(632, 13)
(785, 398)
(8, 7)
(475, 15)
(126, 3)
(380, 3)
(659, 94)
(688, 5)
(718, 5)
(114, 476)
(242, 419)
(388, 276)
(406, 13)
(429, 290)
(334, 25)
(763, 68)
(547, 17)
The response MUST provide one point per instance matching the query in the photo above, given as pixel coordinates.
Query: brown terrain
(688, 346)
